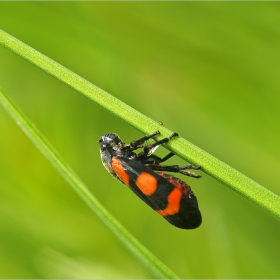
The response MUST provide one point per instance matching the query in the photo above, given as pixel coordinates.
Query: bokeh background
(208, 70)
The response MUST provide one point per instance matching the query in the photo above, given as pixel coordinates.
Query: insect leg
(176, 168)
(168, 156)
(139, 142)
(159, 142)
(153, 159)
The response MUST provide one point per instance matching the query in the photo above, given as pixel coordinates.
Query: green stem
(211, 165)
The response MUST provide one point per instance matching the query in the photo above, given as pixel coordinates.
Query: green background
(209, 71)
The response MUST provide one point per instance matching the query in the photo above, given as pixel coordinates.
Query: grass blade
(211, 165)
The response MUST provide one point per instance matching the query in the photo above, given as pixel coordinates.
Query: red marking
(178, 183)
(147, 183)
(117, 167)
(173, 206)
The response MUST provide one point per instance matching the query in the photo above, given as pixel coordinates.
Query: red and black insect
(169, 196)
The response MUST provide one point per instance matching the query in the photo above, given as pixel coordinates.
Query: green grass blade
(211, 165)
(156, 267)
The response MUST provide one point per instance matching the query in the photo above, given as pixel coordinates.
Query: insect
(144, 174)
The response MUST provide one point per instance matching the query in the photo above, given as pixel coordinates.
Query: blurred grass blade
(211, 165)
(157, 268)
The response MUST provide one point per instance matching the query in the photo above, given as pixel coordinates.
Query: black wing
(163, 193)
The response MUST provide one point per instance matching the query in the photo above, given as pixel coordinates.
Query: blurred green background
(208, 70)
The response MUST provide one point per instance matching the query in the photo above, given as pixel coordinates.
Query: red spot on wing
(117, 167)
(173, 206)
(178, 183)
(147, 183)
